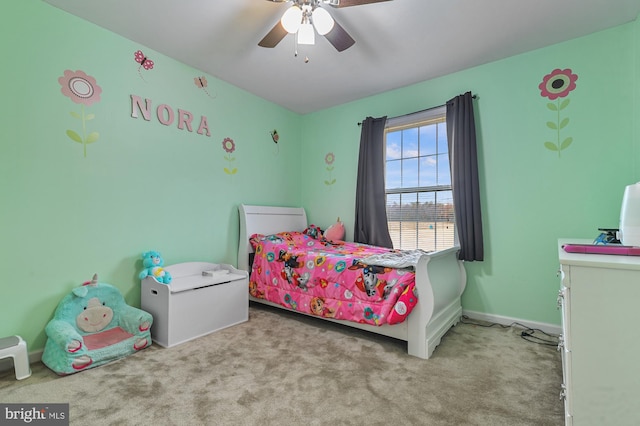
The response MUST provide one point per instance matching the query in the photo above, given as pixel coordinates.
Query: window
(418, 181)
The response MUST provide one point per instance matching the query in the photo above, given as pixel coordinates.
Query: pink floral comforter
(305, 272)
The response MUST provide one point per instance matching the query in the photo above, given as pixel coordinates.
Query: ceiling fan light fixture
(292, 19)
(306, 34)
(322, 20)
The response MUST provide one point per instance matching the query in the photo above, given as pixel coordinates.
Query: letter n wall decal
(136, 105)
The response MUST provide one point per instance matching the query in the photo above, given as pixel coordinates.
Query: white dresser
(600, 343)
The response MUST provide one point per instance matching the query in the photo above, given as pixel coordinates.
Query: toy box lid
(193, 282)
(194, 275)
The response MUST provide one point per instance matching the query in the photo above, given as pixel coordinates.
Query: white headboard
(265, 220)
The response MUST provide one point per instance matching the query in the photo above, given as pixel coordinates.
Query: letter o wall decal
(161, 111)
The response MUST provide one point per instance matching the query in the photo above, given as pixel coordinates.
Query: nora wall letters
(167, 116)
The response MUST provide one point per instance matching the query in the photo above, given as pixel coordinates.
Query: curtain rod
(422, 110)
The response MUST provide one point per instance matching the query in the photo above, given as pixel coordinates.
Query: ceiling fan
(306, 15)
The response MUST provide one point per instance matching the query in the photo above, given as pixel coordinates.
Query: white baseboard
(499, 319)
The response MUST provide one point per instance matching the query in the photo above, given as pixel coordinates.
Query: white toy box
(202, 298)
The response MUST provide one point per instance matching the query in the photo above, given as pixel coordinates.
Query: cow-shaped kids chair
(93, 325)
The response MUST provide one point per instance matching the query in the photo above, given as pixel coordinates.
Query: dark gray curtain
(371, 214)
(463, 160)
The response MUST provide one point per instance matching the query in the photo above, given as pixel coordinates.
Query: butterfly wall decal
(144, 62)
(201, 82)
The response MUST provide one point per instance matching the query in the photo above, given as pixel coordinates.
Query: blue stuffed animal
(153, 264)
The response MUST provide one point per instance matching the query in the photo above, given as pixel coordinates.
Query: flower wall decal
(329, 159)
(81, 89)
(229, 147)
(556, 86)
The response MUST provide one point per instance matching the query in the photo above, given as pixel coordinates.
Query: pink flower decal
(555, 86)
(229, 146)
(558, 84)
(81, 89)
(329, 159)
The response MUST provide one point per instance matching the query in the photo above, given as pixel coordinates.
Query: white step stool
(16, 348)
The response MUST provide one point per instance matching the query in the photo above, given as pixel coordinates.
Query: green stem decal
(558, 125)
(84, 139)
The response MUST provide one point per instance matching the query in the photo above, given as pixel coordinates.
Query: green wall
(142, 185)
(531, 196)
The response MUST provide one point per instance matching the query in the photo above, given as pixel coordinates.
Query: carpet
(285, 369)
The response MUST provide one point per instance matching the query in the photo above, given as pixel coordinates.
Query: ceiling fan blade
(339, 38)
(274, 36)
(348, 3)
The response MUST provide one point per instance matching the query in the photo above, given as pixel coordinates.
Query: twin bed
(411, 296)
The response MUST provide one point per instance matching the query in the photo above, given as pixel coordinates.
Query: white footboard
(440, 280)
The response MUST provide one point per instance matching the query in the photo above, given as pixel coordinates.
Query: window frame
(431, 116)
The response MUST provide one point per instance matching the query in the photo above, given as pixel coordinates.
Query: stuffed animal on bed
(153, 264)
(314, 232)
(93, 325)
(335, 232)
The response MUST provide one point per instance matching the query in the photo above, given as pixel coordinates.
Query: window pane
(410, 173)
(444, 172)
(409, 206)
(407, 232)
(393, 207)
(393, 217)
(393, 174)
(425, 225)
(409, 238)
(444, 199)
(394, 232)
(428, 140)
(428, 171)
(445, 220)
(410, 143)
(394, 145)
(442, 138)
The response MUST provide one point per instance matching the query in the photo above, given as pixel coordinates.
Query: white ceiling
(398, 42)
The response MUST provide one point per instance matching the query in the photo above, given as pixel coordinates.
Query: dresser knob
(560, 299)
(560, 342)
